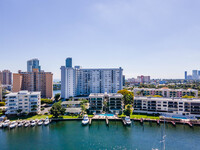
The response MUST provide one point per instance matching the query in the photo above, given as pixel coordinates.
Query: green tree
(83, 105)
(125, 92)
(57, 96)
(128, 110)
(57, 110)
(128, 99)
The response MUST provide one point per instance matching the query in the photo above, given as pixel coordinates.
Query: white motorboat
(40, 122)
(85, 120)
(33, 123)
(27, 124)
(20, 124)
(6, 123)
(13, 124)
(46, 122)
(1, 125)
(128, 120)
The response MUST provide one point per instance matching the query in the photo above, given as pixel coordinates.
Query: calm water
(56, 91)
(71, 135)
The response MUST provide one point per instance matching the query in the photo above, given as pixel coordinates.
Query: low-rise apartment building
(176, 106)
(165, 92)
(112, 100)
(26, 102)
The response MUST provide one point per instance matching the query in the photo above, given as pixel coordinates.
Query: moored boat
(128, 120)
(13, 124)
(85, 120)
(20, 124)
(40, 122)
(6, 123)
(33, 123)
(46, 122)
(27, 124)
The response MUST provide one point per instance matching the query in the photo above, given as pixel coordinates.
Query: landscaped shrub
(46, 101)
(2, 103)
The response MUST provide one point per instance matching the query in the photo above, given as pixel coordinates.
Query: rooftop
(23, 93)
(105, 94)
(167, 99)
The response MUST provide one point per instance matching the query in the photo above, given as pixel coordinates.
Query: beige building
(6, 77)
(165, 92)
(34, 81)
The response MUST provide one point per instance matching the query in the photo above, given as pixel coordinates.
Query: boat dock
(124, 122)
(90, 121)
(107, 121)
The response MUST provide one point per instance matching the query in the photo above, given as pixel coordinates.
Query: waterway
(71, 135)
(56, 91)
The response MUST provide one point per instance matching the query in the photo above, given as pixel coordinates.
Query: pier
(107, 121)
(90, 121)
(124, 122)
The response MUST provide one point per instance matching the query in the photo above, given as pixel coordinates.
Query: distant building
(165, 92)
(6, 77)
(195, 75)
(139, 79)
(167, 106)
(69, 62)
(186, 76)
(81, 82)
(97, 100)
(27, 102)
(34, 81)
(1, 92)
(124, 80)
(33, 64)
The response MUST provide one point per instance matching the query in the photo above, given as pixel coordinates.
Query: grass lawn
(29, 117)
(69, 117)
(90, 116)
(141, 116)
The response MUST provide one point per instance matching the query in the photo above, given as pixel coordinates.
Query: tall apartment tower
(6, 77)
(34, 81)
(67, 79)
(33, 64)
(81, 82)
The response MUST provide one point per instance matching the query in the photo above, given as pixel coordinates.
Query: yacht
(6, 123)
(40, 122)
(33, 123)
(128, 120)
(46, 122)
(13, 124)
(27, 124)
(85, 120)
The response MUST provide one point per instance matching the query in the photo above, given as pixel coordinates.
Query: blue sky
(149, 37)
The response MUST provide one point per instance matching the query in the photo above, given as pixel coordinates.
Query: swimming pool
(179, 117)
(109, 115)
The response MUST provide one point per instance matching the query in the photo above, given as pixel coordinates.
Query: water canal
(70, 135)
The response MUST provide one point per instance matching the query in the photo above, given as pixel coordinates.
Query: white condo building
(81, 82)
(28, 102)
(169, 106)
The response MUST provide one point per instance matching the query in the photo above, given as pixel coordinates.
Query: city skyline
(101, 34)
